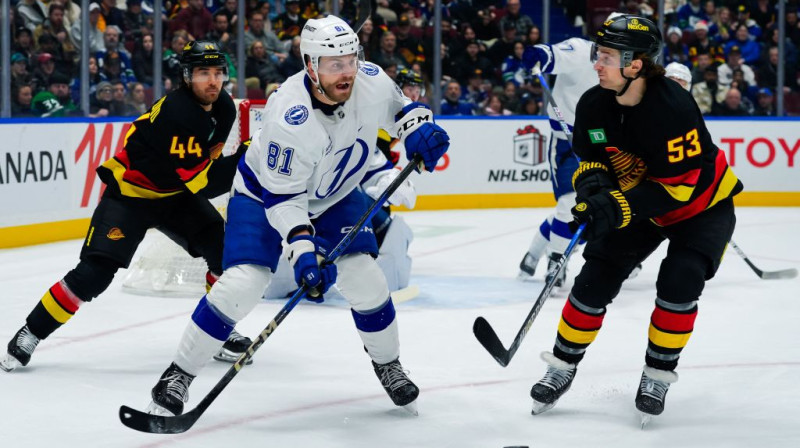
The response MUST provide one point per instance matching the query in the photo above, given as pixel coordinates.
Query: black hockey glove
(591, 178)
(602, 213)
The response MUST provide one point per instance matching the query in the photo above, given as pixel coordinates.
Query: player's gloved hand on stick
(421, 135)
(405, 194)
(591, 178)
(305, 256)
(602, 213)
(534, 55)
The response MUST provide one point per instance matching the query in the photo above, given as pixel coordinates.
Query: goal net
(161, 267)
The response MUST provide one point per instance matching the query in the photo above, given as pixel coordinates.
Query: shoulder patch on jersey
(296, 115)
(369, 69)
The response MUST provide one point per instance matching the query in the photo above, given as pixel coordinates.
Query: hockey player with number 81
(297, 185)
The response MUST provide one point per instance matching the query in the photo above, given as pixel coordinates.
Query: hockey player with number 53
(296, 186)
(649, 172)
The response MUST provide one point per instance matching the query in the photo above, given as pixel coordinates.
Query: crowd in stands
(730, 46)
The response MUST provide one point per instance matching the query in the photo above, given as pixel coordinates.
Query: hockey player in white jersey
(569, 60)
(297, 186)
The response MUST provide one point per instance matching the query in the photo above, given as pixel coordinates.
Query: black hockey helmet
(631, 35)
(408, 77)
(202, 53)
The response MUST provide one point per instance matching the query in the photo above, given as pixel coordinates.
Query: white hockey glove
(405, 194)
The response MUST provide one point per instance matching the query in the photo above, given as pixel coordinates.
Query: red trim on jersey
(689, 178)
(672, 322)
(135, 177)
(579, 320)
(701, 202)
(187, 174)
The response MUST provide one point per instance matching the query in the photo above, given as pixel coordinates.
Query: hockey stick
(364, 11)
(537, 71)
(159, 424)
(764, 275)
(486, 334)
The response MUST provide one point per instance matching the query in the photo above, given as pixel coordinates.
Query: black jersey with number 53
(659, 151)
(172, 148)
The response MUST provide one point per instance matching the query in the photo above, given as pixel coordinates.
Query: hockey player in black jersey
(170, 164)
(649, 172)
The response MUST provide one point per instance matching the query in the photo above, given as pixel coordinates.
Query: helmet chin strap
(628, 81)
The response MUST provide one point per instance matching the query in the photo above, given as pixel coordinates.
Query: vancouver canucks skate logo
(296, 115)
(369, 69)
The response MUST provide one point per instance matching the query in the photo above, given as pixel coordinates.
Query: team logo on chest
(347, 162)
(296, 115)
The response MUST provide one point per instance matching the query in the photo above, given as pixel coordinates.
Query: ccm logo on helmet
(635, 25)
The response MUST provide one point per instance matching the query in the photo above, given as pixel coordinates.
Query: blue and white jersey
(302, 161)
(570, 60)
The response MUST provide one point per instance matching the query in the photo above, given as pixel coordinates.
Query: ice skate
(20, 349)
(652, 392)
(552, 265)
(394, 380)
(635, 272)
(555, 383)
(527, 267)
(171, 392)
(233, 348)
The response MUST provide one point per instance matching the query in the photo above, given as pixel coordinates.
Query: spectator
(522, 22)
(219, 34)
(42, 73)
(743, 19)
(142, 59)
(735, 61)
(100, 102)
(135, 21)
(503, 47)
(24, 43)
(294, 62)
(691, 13)
(110, 15)
(229, 8)
(476, 93)
(709, 92)
(21, 96)
(120, 107)
(768, 73)
(764, 13)
(511, 96)
(765, 103)
(56, 100)
(487, 28)
(528, 104)
(513, 70)
(256, 32)
(749, 49)
(32, 12)
(790, 55)
(369, 38)
(195, 19)
(387, 53)
(409, 48)
(704, 44)
(136, 99)
(452, 104)
(260, 66)
(19, 69)
(674, 48)
(54, 26)
(289, 24)
(792, 26)
(731, 107)
(721, 29)
(72, 13)
(171, 60)
(495, 107)
(472, 61)
(95, 33)
(534, 36)
(746, 90)
(95, 77)
(115, 66)
(703, 62)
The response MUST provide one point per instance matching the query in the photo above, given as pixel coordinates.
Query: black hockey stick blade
(364, 11)
(489, 340)
(764, 275)
(157, 424)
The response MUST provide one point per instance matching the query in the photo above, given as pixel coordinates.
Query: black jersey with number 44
(659, 151)
(174, 147)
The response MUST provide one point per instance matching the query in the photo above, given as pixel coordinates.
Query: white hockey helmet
(329, 36)
(678, 71)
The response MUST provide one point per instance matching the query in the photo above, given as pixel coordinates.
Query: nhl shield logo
(529, 146)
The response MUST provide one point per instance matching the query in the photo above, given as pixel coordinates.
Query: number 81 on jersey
(274, 154)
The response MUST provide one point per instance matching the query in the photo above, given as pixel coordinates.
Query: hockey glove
(416, 129)
(602, 213)
(533, 55)
(591, 178)
(305, 255)
(405, 194)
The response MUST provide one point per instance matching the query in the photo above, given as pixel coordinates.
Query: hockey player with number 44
(649, 172)
(297, 185)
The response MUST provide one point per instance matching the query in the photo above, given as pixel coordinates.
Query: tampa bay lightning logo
(296, 115)
(333, 180)
(369, 69)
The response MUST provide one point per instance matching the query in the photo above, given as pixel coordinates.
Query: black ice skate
(552, 264)
(233, 348)
(527, 267)
(635, 272)
(171, 392)
(555, 383)
(396, 383)
(20, 349)
(652, 392)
